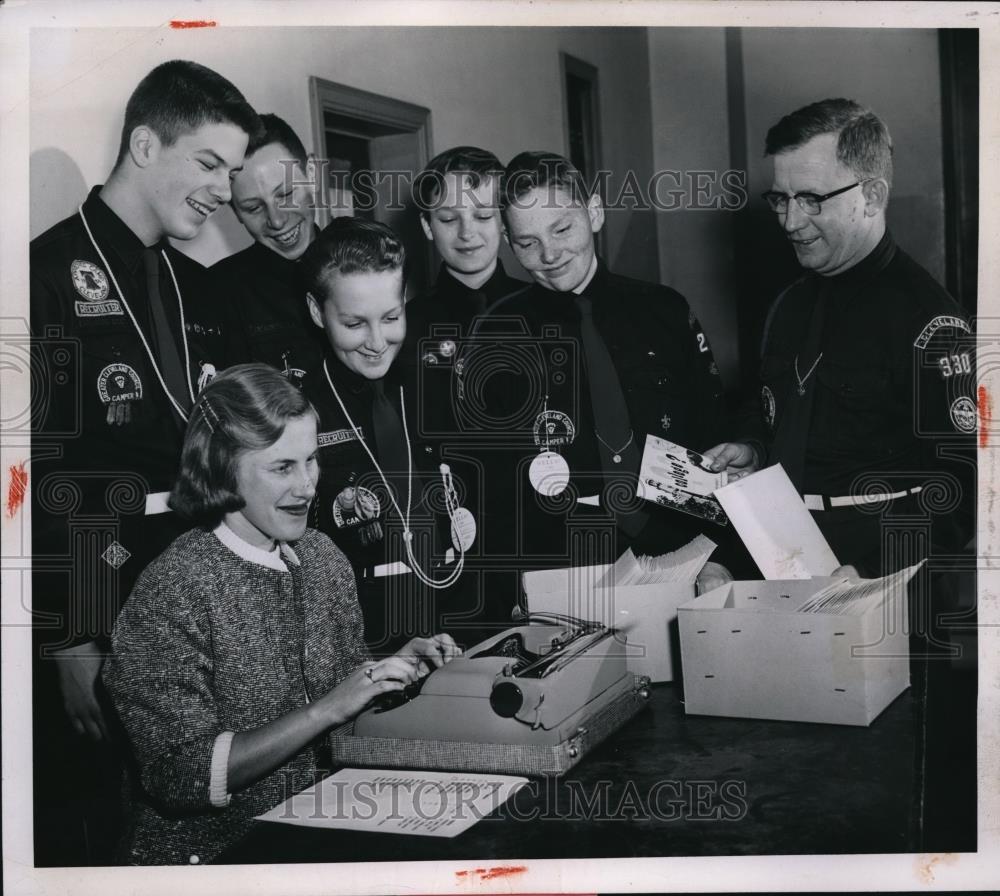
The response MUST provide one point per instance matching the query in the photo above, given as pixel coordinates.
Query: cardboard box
(748, 653)
(646, 615)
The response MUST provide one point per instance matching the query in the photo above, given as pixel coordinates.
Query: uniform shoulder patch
(963, 414)
(92, 283)
(935, 324)
(335, 437)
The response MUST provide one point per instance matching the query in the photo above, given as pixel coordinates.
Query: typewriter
(535, 684)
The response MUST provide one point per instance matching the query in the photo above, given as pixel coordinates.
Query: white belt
(821, 502)
(398, 568)
(386, 569)
(157, 503)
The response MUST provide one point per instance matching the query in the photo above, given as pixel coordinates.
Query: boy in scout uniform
(124, 337)
(261, 286)
(378, 479)
(636, 362)
(458, 195)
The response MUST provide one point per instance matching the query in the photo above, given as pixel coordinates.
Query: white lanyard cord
(450, 504)
(138, 329)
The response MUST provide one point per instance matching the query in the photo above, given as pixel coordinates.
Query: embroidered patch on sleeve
(936, 324)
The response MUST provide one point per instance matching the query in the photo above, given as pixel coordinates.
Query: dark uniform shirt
(889, 404)
(352, 506)
(671, 389)
(105, 435)
(438, 321)
(266, 312)
(451, 302)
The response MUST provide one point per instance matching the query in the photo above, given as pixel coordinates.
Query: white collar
(244, 550)
(589, 277)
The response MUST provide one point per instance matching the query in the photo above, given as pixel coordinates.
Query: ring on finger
(368, 673)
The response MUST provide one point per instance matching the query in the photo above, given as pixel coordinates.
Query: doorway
(371, 148)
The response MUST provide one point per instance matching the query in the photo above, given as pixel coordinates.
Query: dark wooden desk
(667, 785)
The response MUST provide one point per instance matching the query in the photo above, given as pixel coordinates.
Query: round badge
(447, 348)
(963, 414)
(463, 529)
(206, 376)
(119, 382)
(355, 505)
(90, 281)
(553, 428)
(767, 400)
(549, 474)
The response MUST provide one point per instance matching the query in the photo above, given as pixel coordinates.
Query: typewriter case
(530, 701)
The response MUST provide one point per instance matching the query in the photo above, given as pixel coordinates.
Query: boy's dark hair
(536, 169)
(277, 130)
(244, 408)
(178, 97)
(351, 246)
(471, 161)
(863, 144)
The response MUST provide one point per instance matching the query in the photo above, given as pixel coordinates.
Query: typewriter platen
(533, 684)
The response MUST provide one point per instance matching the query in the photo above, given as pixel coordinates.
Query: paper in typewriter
(854, 598)
(776, 527)
(431, 804)
(673, 476)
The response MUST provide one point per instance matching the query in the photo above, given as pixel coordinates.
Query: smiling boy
(378, 477)
(458, 197)
(354, 274)
(126, 334)
(261, 286)
(459, 202)
(643, 367)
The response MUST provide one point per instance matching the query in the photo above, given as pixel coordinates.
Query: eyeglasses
(810, 203)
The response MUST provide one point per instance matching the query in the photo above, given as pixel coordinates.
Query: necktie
(171, 366)
(478, 303)
(616, 442)
(390, 443)
(792, 435)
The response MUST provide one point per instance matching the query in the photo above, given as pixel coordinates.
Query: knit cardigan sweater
(211, 642)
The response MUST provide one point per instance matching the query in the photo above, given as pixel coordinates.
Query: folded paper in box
(809, 650)
(638, 596)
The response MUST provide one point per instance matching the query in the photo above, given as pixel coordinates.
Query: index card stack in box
(810, 650)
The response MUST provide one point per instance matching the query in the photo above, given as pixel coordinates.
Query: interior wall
(715, 93)
(498, 88)
(695, 248)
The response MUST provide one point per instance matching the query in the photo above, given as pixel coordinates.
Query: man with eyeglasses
(867, 383)
(867, 365)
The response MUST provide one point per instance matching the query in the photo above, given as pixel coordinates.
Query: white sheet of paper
(854, 598)
(776, 526)
(682, 565)
(429, 804)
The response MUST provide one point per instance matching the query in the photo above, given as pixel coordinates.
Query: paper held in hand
(430, 804)
(676, 477)
(776, 526)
